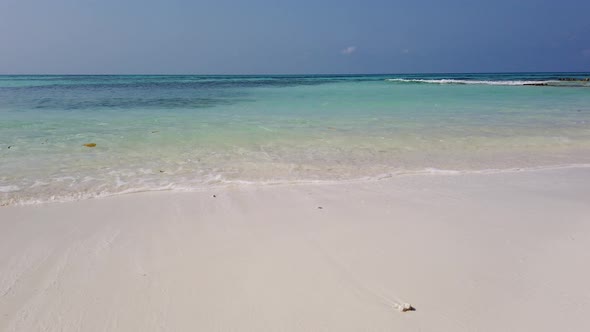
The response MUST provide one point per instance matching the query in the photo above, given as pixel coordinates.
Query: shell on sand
(405, 307)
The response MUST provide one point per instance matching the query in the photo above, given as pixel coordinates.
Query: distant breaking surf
(496, 82)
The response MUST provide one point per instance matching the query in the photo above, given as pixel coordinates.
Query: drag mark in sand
(360, 286)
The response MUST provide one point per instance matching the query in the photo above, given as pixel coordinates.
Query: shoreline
(502, 251)
(229, 184)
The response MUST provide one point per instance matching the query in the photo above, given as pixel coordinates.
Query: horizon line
(311, 74)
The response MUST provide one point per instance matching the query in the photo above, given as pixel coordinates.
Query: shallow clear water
(190, 132)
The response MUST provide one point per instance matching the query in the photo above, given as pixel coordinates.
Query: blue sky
(273, 37)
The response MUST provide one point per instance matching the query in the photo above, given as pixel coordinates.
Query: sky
(292, 37)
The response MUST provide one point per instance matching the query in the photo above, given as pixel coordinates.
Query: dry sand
(476, 252)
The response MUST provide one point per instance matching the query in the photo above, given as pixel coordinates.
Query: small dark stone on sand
(9, 146)
(161, 171)
(155, 131)
(214, 196)
(319, 207)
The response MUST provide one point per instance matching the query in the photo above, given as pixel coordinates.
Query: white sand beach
(470, 252)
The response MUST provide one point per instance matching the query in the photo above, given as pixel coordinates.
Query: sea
(66, 138)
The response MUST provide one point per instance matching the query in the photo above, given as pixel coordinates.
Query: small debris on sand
(405, 307)
(319, 207)
(89, 145)
(161, 171)
(214, 196)
(155, 131)
(9, 146)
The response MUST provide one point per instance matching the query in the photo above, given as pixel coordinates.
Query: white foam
(480, 82)
(9, 189)
(219, 181)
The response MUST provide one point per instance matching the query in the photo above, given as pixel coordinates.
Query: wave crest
(557, 83)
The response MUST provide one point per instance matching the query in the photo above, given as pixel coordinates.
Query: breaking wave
(492, 82)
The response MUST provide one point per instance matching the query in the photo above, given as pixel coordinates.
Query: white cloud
(348, 50)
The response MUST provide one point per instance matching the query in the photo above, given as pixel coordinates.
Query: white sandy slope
(491, 252)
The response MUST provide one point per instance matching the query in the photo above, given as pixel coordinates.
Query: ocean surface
(195, 132)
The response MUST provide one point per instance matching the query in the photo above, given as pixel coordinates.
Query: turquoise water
(192, 132)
